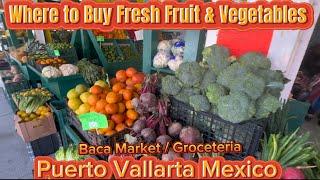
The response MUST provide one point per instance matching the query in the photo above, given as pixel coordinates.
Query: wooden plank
(97, 48)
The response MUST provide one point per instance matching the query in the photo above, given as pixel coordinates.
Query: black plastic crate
(46, 145)
(217, 129)
(13, 87)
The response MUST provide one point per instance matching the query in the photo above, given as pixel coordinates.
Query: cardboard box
(32, 130)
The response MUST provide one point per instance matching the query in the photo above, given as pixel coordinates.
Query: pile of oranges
(115, 101)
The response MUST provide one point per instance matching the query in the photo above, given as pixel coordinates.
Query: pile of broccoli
(235, 90)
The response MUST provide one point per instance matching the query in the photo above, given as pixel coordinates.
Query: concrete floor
(15, 162)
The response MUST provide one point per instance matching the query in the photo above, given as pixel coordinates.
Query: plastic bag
(160, 60)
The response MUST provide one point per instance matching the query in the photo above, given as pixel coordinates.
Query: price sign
(100, 38)
(56, 52)
(93, 120)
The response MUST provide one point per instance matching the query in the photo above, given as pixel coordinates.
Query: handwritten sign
(93, 120)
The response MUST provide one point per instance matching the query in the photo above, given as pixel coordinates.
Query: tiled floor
(15, 162)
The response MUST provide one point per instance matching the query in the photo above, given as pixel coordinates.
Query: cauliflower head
(266, 105)
(190, 74)
(235, 107)
(216, 57)
(199, 103)
(214, 92)
(255, 60)
(170, 85)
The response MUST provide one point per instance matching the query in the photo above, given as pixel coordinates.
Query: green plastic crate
(26, 71)
(61, 85)
(113, 67)
(70, 55)
(297, 113)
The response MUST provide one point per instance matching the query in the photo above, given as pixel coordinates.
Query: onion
(190, 135)
(174, 129)
(149, 135)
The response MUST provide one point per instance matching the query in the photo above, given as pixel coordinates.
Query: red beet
(292, 173)
(139, 125)
(170, 156)
(163, 139)
(190, 135)
(175, 129)
(149, 135)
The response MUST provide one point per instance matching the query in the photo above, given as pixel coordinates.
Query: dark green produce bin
(61, 85)
(296, 113)
(113, 66)
(26, 71)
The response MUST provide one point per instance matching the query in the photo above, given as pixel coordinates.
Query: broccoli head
(255, 60)
(275, 81)
(216, 57)
(190, 74)
(228, 75)
(250, 84)
(170, 85)
(199, 103)
(185, 93)
(214, 92)
(266, 105)
(209, 77)
(235, 107)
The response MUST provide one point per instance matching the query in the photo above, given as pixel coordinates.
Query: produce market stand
(91, 48)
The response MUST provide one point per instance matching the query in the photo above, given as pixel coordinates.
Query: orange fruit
(138, 86)
(101, 104)
(132, 114)
(122, 107)
(129, 122)
(103, 95)
(101, 131)
(129, 82)
(110, 125)
(127, 95)
(93, 99)
(95, 89)
(118, 86)
(109, 132)
(138, 78)
(117, 118)
(132, 88)
(112, 108)
(121, 76)
(120, 127)
(113, 81)
(129, 104)
(131, 71)
(112, 97)
(93, 109)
